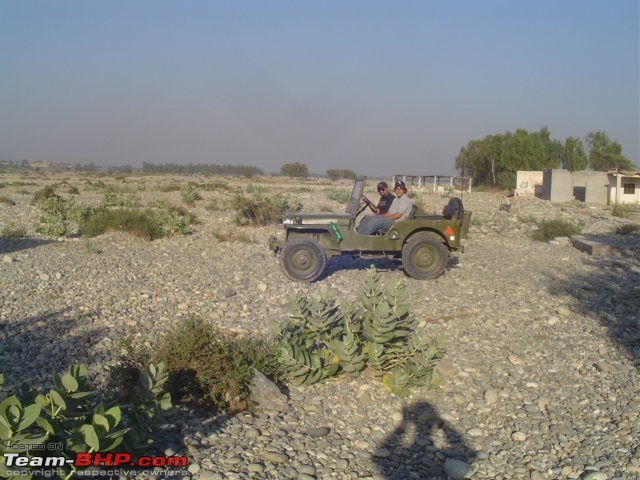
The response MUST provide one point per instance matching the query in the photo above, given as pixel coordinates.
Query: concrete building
(600, 188)
(529, 183)
(624, 187)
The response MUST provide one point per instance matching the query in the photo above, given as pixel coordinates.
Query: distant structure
(529, 182)
(435, 183)
(589, 186)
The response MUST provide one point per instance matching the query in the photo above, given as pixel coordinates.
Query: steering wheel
(368, 203)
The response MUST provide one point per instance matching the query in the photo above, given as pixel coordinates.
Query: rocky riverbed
(544, 339)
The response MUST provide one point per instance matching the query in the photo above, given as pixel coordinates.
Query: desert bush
(6, 201)
(628, 229)
(260, 209)
(622, 210)
(340, 196)
(174, 220)
(323, 340)
(211, 368)
(61, 217)
(80, 419)
(214, 185)
(73, 190)
(10, 231)
(190, 195)
(116, 197)
(140, 223)
(557, 227)
(149, 224)
(43, 194)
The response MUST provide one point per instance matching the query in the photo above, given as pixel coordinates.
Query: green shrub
(322, 340)
(114, 197)
(60, 217)
(628, 229)
(340, 196)
(74, 416)
(43, 194)
(140, 223)
(9, 231)
(209, 367)
(190, 195)
(73, 190)
(173, 220)
(260, 209)
(622, 210)
(214, 185)
(550, 229)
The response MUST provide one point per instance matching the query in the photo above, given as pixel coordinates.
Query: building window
(629, 188)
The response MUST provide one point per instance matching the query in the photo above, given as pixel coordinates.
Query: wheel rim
(424, 258)
(302, 261)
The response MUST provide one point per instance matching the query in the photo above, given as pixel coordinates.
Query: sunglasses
(382, 189)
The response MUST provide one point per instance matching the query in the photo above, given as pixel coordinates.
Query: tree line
(204, 168)
(495, 159)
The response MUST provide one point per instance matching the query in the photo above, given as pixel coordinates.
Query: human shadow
(611, 296)
(34, 347)
(421, 445)
(9, 245)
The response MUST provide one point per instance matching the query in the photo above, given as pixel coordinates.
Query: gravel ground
(545, 339)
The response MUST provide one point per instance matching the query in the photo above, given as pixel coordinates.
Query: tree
(605, 154)
(295, 170)
(337, 174)
(574, 156)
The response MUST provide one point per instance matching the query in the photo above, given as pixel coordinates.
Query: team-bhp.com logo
(118, 461)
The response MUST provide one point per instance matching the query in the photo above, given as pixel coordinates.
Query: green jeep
(422, 243)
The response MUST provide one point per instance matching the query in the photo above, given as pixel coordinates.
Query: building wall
(595, 183)
(528, 182)
(564, 186)
(624, 198)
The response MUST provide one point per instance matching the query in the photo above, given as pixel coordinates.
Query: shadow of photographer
(422, 447)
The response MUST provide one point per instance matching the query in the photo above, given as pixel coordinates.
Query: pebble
(525, 323)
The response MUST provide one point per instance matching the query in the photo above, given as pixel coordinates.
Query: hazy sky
(379, 87)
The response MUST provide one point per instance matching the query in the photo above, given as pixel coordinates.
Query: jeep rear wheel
(424, 257)
(303, 260)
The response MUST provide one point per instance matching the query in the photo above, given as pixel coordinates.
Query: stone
(318, 432)
(275, 457)
(266, 394)
(490, 396)
(457, 469)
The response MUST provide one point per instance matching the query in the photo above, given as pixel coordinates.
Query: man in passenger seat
(399, 210)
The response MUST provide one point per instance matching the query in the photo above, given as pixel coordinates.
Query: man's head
(400, 187)
(382, 188)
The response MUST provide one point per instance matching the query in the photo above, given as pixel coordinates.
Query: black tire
(303, 260)
(424, 257)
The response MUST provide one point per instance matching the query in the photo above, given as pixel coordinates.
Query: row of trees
(495, 159)
(300, 170)
(205, 168)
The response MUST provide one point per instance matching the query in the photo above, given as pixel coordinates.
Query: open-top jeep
(422, 243)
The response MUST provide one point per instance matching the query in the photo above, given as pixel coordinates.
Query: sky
(378, 87)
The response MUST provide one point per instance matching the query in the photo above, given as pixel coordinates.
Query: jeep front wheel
(303, 260)
(424, 257)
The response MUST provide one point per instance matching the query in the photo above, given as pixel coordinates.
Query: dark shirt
(385, 202)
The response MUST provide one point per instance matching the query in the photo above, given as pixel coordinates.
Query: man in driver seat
(399, 210)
